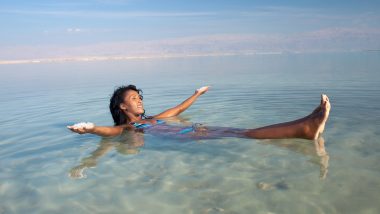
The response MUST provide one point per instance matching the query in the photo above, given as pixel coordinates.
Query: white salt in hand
(203, 89)
(84, 125)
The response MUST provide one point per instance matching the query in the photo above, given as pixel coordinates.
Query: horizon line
(162, 56)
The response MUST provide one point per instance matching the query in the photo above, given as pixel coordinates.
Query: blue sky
(57, 25)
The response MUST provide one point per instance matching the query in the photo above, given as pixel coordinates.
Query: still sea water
(45, 168)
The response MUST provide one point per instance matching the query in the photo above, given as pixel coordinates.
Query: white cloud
(74, 30)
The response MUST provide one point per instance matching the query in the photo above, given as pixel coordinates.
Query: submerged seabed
(46, 169)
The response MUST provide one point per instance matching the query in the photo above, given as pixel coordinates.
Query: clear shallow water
(165, 175)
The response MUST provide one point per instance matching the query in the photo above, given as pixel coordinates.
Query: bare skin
(309, 127)
(133, 107)
(130, 142)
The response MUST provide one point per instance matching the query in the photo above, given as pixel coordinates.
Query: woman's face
(133, 103)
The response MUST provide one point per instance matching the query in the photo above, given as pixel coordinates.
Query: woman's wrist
(90, 128)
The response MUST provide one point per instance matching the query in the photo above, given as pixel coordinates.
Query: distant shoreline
(115, 58)
(159, 56)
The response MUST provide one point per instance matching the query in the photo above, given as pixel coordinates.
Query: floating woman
(127, 109)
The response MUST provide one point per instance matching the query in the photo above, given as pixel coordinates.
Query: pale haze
(122, 29)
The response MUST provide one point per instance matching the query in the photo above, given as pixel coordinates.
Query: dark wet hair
(117, 98)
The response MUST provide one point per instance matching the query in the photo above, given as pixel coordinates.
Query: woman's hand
(105, 131)
(82, 128)
(202, 90)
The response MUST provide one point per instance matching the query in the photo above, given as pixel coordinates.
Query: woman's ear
(123, 106)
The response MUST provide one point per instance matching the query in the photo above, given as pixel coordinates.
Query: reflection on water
(130, 142)
(137, 173)
(127, 144)
(315, 149)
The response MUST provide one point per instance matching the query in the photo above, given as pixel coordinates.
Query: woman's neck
(133, 118)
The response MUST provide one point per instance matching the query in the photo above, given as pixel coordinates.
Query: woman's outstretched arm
(183, 106)
(105, 131)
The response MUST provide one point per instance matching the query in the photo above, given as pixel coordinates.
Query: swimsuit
(193, 128)
(196, 131)
(146, 125)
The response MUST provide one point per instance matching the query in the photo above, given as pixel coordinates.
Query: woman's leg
(309, 127)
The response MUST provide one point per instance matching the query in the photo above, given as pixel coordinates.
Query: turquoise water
(44, 168)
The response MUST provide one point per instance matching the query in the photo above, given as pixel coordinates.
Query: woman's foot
(315, 122)
(309, 127)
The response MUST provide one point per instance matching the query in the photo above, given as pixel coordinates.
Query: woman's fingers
(77, 130)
